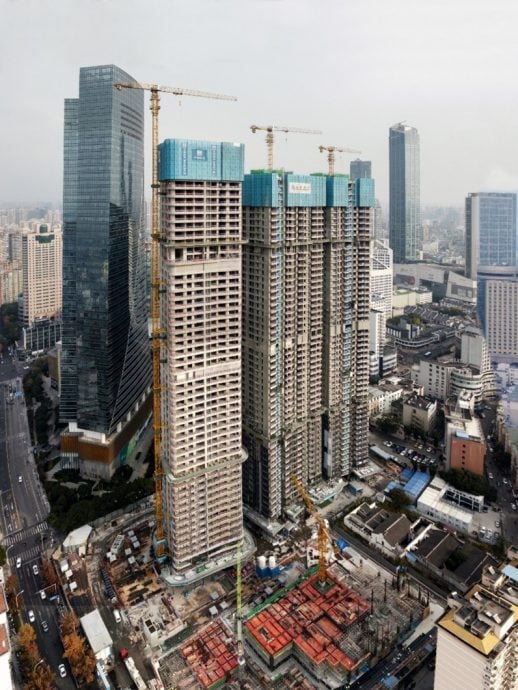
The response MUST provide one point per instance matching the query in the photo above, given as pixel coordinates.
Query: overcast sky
(349, 68)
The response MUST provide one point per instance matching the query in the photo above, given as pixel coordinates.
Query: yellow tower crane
(270, 129)
(157, 333)
(324, 538)
(331, 150)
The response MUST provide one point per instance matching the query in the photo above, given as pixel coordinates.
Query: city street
(24, 509)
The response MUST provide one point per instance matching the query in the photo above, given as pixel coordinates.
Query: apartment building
(11, 282)
(42, 257)
(306, 306)
(465, 443)
(201, 376)
(477, 640)
(419, 414)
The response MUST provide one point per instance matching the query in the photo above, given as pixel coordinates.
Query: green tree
(399, 498)
(388, 424)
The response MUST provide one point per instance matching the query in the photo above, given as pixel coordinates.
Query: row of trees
(71, 508)
(471, 483)
(79, 655)
(36, 673)
(10, 329)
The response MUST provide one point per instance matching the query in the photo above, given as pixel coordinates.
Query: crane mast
(331, 150)
(157, 333)
(324, 538)
(270, 129)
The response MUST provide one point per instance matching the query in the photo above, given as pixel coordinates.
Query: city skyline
(215, 51)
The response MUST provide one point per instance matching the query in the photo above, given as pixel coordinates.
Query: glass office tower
(491, 238)
(404, 188)
(106, 363)
(491, 260)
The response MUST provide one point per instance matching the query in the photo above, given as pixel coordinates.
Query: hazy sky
(349, 68)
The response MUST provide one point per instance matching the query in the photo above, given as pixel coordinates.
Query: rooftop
(96, 631)
(481, 619)
(419, 402)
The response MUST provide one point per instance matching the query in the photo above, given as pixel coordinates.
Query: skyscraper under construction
(305, 332)
(202, 452)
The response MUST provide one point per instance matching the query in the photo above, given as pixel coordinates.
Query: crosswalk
(25, 556)
(17, 537)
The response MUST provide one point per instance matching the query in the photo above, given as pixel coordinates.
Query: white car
(42, 594)
(20, 479)
(35, 569)
(513, 506)
(62, 670)
(18, 562)
(32, 617)
(491, 475)
(505, 481)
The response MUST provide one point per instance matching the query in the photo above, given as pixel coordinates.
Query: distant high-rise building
(404, 189)
(106, 369)
(491, 231)
(359, 168)
(201, 315)
(42, 254)
(305, 332)
(477, 637)
(382, 278)
(491, 259)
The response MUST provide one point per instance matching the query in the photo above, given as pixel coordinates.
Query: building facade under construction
(202, 452)
(305, 331)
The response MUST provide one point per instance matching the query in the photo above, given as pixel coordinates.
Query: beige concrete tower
(201, 373)
(306, 333)
(42, 259)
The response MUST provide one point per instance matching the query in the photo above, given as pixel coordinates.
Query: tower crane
(270, 129)
(157, 333)
(331, 150)
(324, 538)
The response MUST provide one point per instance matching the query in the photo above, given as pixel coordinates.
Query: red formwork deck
(311, 619)
(211, 654)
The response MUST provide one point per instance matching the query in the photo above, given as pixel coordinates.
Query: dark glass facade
(404, 190)
(359, 168)
(106, 360)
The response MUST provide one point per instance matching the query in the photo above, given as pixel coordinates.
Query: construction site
(291, 625)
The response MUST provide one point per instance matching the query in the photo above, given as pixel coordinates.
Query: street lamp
(16, 598)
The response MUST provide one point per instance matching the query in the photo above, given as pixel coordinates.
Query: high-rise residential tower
(202, 451)
(41, 269)
(305, 332)
(106, 372)
(404, 189)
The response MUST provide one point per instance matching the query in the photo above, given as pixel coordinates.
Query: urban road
(23, 512)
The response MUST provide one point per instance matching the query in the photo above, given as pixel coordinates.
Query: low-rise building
(5, 647)
(456, 561)
(465, 442)
(419, 414)
(384, 530)
(381, 398)
(97, 635)
(442, 503)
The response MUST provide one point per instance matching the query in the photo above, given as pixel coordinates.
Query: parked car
(62, 670)
(35, 569)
